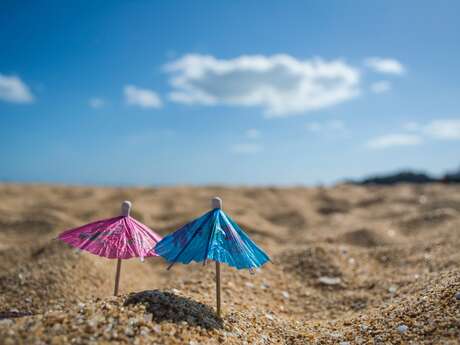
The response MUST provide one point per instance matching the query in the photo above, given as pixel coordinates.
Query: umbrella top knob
(126, 208)
(216, 202)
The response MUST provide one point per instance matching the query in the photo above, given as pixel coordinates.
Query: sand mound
(365, 238)
(27, 224)
(427, 220)
(370, 201)
(428, 313)
(311, 264)
(171, 307)
(50, 274)
(291, 219)
(329, 204)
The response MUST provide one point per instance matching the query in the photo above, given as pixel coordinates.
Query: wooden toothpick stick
(218, 288)
(125, 211)
(117, 277)
(217, 203)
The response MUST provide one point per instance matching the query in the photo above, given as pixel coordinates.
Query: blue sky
(240, 92)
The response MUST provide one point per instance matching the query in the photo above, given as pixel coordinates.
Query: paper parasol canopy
(213, 236)
(121, 237)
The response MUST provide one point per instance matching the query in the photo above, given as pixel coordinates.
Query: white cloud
(392, 140)
(144, 98)
(247, 148)
(280, 84)
(442, 129)
(13, 89)
(96, 103)
(446, 129)
(381, 86)
(253, 133)
(385, 65)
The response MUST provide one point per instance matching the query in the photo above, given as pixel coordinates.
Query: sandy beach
(350, 265)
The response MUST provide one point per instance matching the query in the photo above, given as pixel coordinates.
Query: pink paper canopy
(120, 237)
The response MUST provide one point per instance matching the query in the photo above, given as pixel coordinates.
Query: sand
(350, 265)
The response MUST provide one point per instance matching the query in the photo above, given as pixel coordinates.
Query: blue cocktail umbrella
(213, 236)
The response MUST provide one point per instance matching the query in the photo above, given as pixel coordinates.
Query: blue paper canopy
(213, 236)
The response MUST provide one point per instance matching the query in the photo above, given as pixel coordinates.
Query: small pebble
(285, 294)
(21, 278)
(402, 329)
(378, 339)
(457, 296)
(392, 289)
(81, 305)
(363, 327)
(335, 335)
(391, 233)
(129, 332)
(6, 322)
(144, 331)
(329, 280)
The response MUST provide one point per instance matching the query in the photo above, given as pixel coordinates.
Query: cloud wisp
(441, 129)
(416, 133)
(14, 90)
(446, 129)
(280, 84)
(385, 65)
(392, 140)
(143, 98)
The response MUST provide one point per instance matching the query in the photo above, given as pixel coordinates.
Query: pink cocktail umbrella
(121, 237)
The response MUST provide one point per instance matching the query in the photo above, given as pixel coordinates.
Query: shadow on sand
(166, 306)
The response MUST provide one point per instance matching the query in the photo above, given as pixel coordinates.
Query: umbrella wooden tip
(126, 208)
(216, 202)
